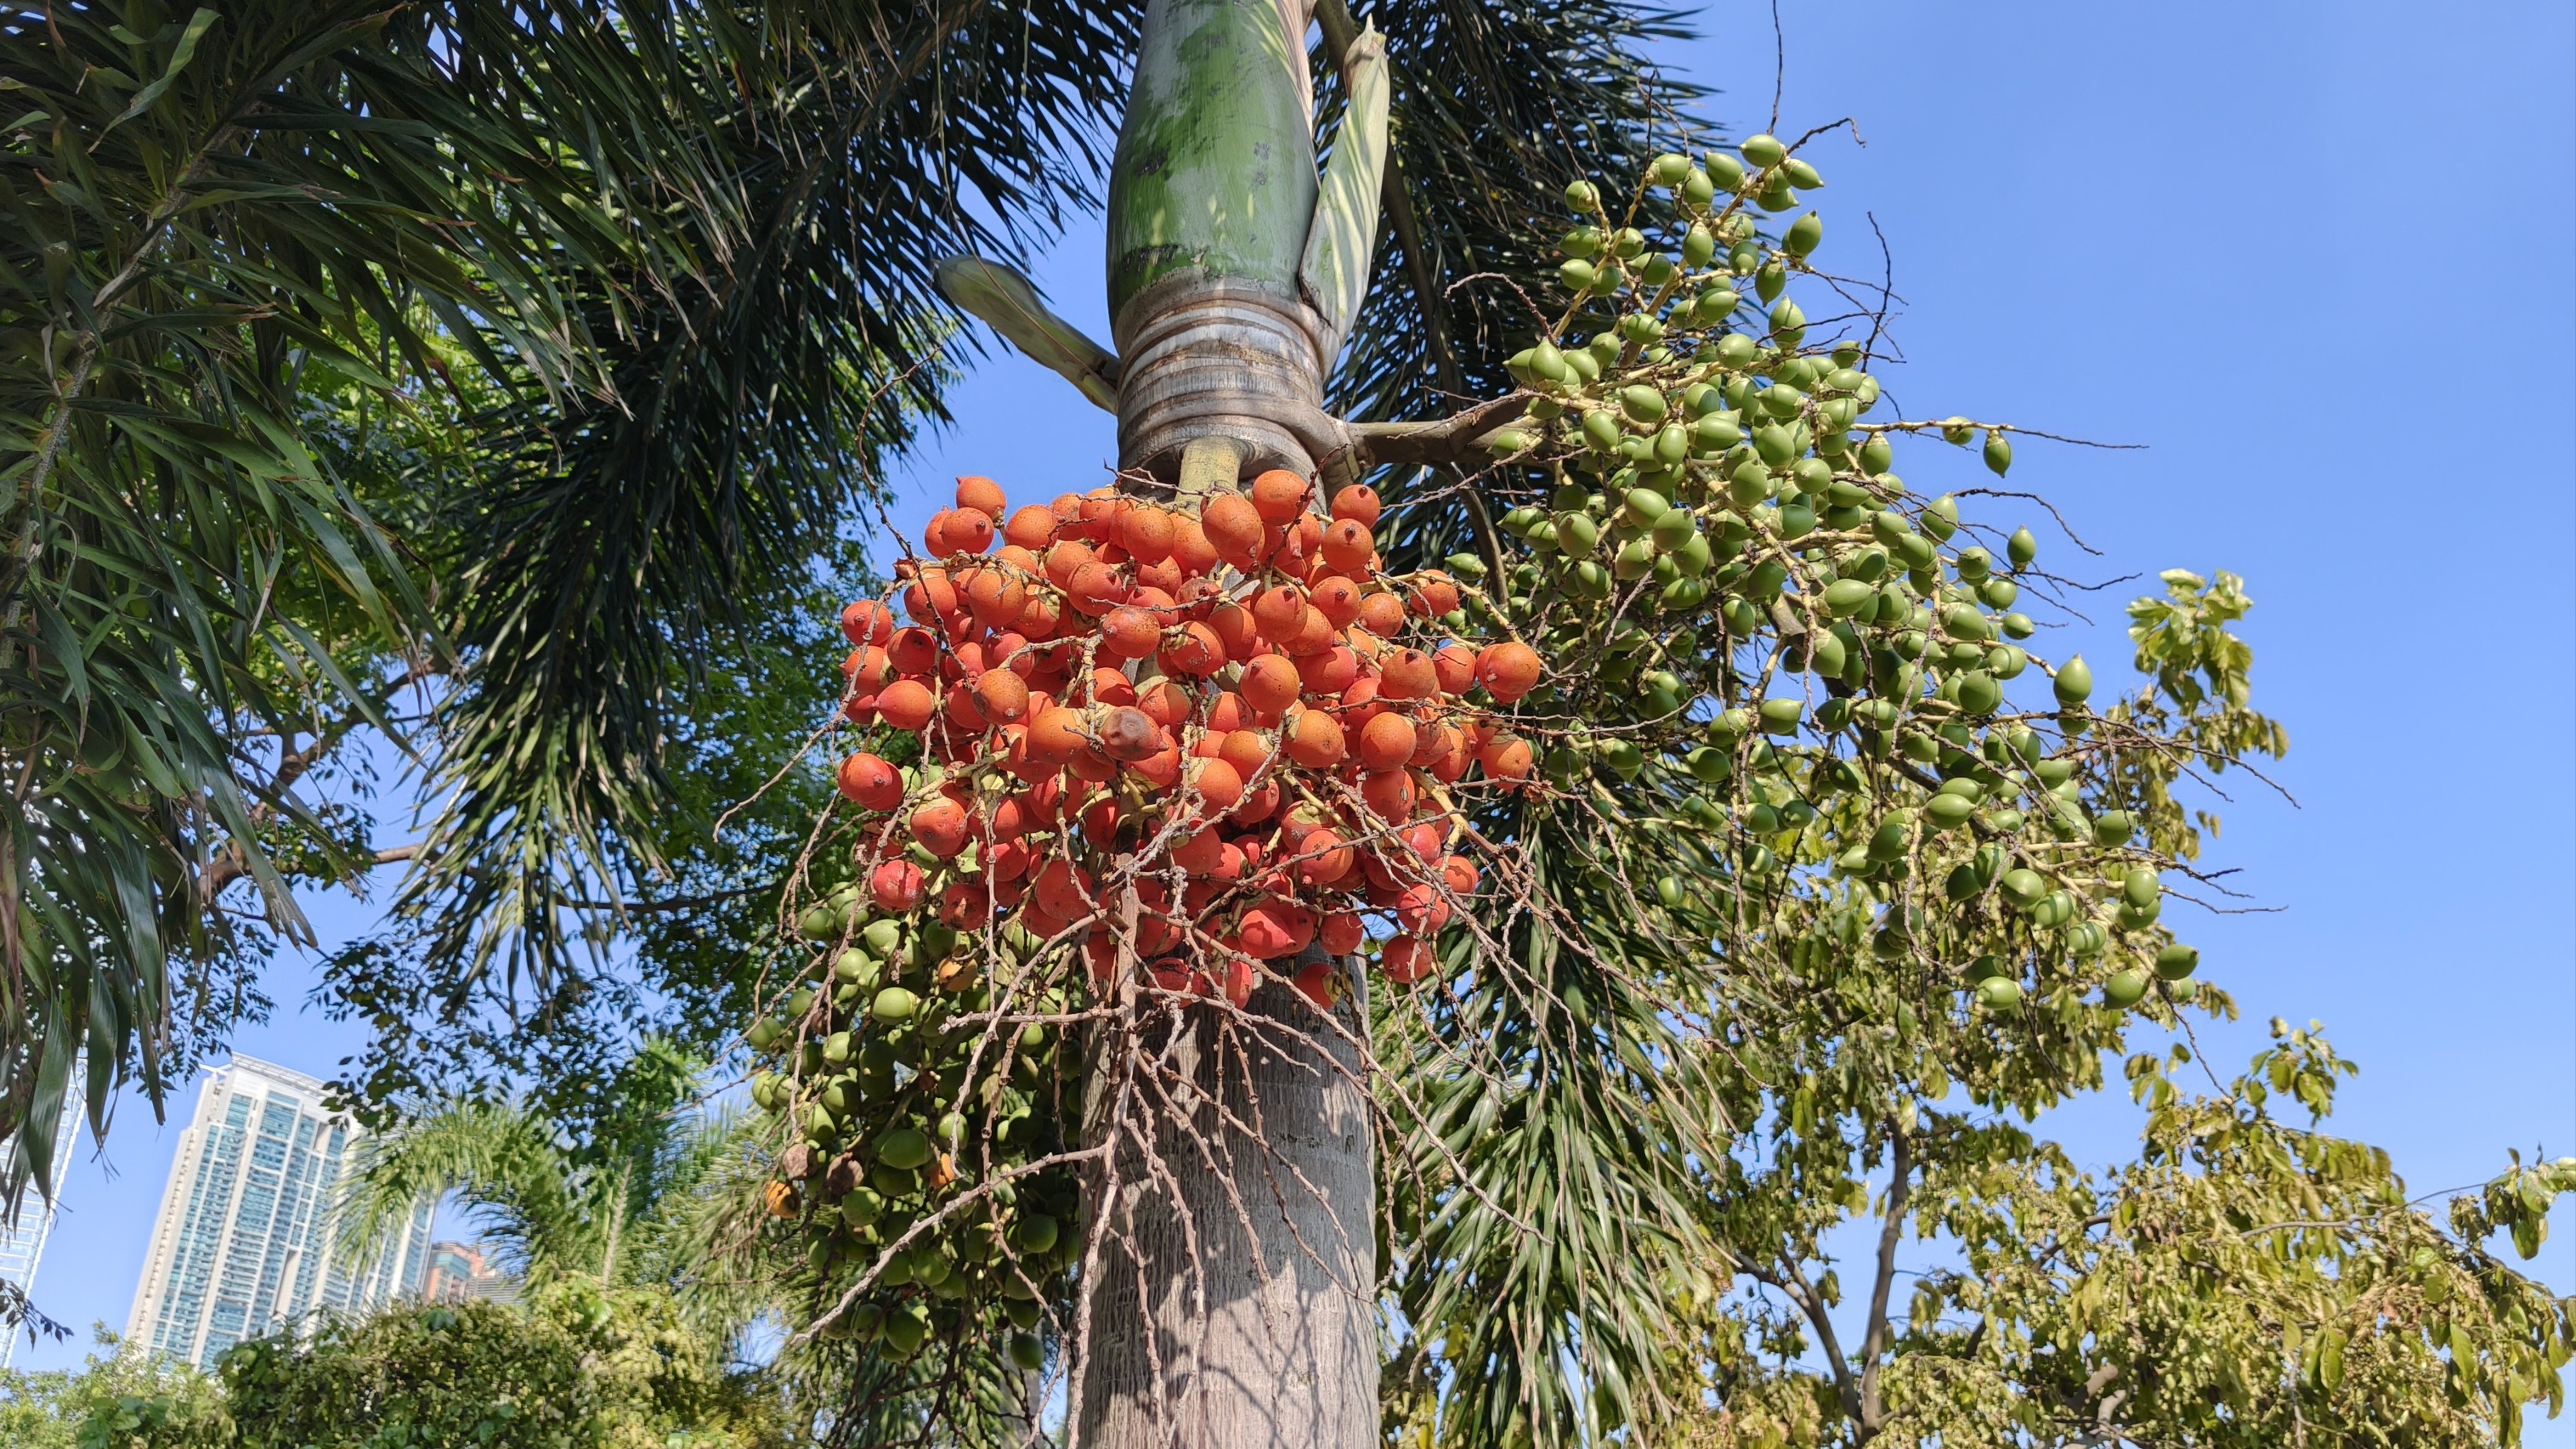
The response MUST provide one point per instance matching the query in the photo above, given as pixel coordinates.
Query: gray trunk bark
(1232, 1297)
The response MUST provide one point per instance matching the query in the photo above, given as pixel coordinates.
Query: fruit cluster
(1190, 741)
(1187, 749)
(1749, 611)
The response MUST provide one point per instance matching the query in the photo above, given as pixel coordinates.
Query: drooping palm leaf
(198, 212)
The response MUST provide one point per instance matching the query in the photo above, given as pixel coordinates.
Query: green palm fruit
(1505, 442)
(1780, 716)
(1941, 517)
(1672, 445)
(1774, 444)
(1715, 306)
(2138, 918)
(1699, 247)
(1624, 758)
(1736, 350)
(1027, 1352)
(2140, 887)
(1541, 536)
(1724, 170)
(2018, 626)
(1715, 434)
(1697, 189)
(1581, 241)
(1891, 839)
(881, 937)
(1998, 593)
(903, 1148)
(764, 1034)
(1034, 1233)
(1635, 560)
(1948, 812)
(893, 1004)
(1693, 557)
(1673, 530)
(836, 1048)
(2124, 990)
(2086, 939)
(861, 1206)
(1669, 169)
(1770, 280)
(1763, 151)
(2176, 962)
(1579, 275)
(1590, 580)
(819, 1125)
(2074, 681)
(2005, 662)
(2021, 548)
(1877, 454)
(819, 923)
(1601, 429)
(1999, 993)
(2023, 886)
(1708, 765)
(1750, 483)
(1576, 533)
(1645, 505)
(1581, 196)
(2113, 828)
(1998, 451)
(1961, 883)
(1804, 234)
(1800, 174)
(1827, 657)
(799, 1002)
(1729, 728)
(908, 1324)
(1627, 241)
(1978, 693)
(1845, 596)
(1797, 520)
(1775, 194)
(1788, 323)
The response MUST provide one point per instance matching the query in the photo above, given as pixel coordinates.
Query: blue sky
(2317, 258)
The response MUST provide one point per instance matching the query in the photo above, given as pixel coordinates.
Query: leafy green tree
(114, 1401)
(575, 1363)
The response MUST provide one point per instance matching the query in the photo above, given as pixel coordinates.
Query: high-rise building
(243, 1245)
(22, 1244)
(464, 1273)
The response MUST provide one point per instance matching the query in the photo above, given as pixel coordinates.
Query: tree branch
(1873, 1348)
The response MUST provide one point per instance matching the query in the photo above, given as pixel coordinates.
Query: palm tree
(599, 1208)
(526, 358)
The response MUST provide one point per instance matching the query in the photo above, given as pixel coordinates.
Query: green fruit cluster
(1835, 674)
(911, 1112)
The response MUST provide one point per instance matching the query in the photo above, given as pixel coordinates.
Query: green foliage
(572, 1365)
(2244, 1282)
(114, 1401)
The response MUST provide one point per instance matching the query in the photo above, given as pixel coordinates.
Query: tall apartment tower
(22, 1244)
(243, 1243)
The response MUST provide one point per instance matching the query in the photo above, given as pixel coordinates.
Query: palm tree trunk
(1231, 1284)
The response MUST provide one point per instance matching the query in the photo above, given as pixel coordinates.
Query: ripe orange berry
(1270, 684)
(1357, 503)
(896, 885)
(1234, 529)
(1382, 614)
(871, 781)
(1128, 632)
(1337, 599)
(906, 704)
(1002, 696)
(941, 827)
(1219, 783)
(1347, 545)
(1508, 670)
(1314, 740)
(866, 621)
(1278, 495)
(1032, 528)
(1406, 960)
(1387, 742)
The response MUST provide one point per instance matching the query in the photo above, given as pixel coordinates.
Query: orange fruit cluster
(1186, 742)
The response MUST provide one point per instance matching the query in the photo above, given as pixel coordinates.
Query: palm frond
(502, 1160)
(193, 219)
